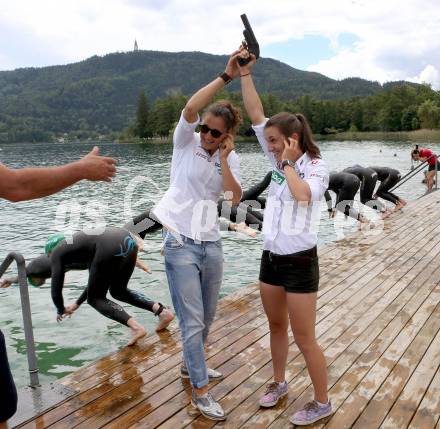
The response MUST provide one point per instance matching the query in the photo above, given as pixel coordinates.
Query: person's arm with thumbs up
(29, 183)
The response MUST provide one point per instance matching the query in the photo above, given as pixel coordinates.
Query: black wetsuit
(41, 267)
(8, 391)
(388, 178)
(250, 204)
(344, 185)
(368, 178)
(145, 223)
(254, 192)
(110, 258)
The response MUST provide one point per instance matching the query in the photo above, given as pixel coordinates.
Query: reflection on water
(24, 227)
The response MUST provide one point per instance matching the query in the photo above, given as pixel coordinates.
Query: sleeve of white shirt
(234, 165)
(184, 132)
(317, 177)
(259, 132)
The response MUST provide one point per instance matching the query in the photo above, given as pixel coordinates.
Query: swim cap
(52, 242)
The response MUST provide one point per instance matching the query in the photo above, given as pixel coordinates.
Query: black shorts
(432, 167)
(8, 392)
(297, 272)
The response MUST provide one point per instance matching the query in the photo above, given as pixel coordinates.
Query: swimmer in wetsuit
(238, 218)
(251, 202)
(388, 178)
(368, 180)
(344, 185)
(110, 258)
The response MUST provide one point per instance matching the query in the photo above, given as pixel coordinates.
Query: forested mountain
(99, 95)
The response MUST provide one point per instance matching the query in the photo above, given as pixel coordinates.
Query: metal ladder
(26, 312)
(34, 399)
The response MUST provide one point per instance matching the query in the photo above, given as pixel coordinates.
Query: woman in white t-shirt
(204, 165)
(289, 272)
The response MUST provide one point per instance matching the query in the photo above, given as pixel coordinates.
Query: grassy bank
(422, 136)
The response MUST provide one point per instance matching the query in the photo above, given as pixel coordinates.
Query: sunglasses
(204, 129)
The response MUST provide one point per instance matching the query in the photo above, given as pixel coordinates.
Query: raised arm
(204, 95)
(251, 100)
(30, 183)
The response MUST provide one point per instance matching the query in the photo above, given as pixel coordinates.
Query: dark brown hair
(289, 123)
(415, 151)
(230, 114)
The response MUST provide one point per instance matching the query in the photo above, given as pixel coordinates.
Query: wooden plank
(147, 361)
(159, 380)
(344, 288)
(359, 353)
(254, 402)
(297, 387)
(384, 398)
(359, 398)
(226, 306)
(428, 412)
(414, 391)
(394, 222)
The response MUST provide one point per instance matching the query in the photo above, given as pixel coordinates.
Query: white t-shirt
(290, 226)
(190, 204)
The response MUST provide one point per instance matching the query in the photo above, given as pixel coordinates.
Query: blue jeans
(194, 271)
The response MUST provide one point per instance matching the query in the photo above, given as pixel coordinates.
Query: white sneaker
(208, 406)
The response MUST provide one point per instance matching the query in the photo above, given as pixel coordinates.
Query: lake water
(24, 227)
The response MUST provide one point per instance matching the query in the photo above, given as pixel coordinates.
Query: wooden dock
(378, 322)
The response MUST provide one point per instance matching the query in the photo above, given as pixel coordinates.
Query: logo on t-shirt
(277, 177)
(219, 168)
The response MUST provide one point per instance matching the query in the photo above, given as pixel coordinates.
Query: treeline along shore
(139, 96)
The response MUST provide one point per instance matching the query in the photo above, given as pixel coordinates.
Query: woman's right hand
(246, 69)
(232, 68)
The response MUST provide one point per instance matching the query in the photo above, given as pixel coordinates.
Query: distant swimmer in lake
(388, 178)
(344, 185)
(368, 180)
(110, 258)
(422, 154)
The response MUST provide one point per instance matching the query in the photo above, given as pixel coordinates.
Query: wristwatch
(226, 78)
(285, 162)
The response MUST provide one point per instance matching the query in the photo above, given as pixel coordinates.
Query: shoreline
(423, 135)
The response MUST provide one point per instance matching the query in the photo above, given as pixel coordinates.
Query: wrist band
(159, 310)
(226, 78)
(243, 75)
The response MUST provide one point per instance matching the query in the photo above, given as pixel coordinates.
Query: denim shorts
(297, 272)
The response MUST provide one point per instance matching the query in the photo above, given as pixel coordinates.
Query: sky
(379, 40)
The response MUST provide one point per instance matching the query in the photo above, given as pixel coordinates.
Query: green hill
(99, 95)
